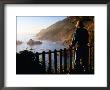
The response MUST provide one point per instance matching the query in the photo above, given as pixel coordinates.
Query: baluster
(43, 59)
(37, 57)
(60, 60)
(70, 54)
(89, 57)
(74, 56)
(37, 62)
(49, 56)
(65, 60)
(55, 60)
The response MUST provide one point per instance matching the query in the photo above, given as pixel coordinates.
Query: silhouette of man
(80, 40)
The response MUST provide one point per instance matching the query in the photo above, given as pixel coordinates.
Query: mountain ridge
(62, 30)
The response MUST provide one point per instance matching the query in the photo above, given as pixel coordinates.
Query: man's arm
(75, 39)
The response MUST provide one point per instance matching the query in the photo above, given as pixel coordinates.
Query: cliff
(62, 30)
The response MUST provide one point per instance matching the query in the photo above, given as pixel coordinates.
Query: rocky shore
(32, 42)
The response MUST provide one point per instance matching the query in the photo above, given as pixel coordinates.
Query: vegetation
(27, 63)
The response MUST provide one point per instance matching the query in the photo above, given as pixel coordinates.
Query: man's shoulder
(84, 30)
(81, 29)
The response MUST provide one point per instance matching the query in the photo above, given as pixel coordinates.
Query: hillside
(62, 30)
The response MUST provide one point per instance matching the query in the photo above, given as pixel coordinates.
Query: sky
(32, 25)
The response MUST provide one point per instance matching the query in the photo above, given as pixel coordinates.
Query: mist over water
(25, 37)
(45, 46)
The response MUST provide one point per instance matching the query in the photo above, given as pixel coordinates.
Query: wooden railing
(64, 57)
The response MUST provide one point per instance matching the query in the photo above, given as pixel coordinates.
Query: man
(80, 40)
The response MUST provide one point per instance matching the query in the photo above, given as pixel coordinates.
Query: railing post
(49, 56)
(37, 57)
(55, 60)
(89, 57)
(92, 67)
(65, 60)
(70, 55)
(60, 60)
(37, 61)
(43, 59)
(74, 56)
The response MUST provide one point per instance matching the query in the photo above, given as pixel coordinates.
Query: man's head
(79, 24)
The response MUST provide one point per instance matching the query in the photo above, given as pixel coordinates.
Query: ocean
(45, 46)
